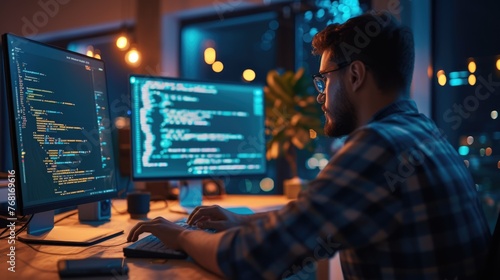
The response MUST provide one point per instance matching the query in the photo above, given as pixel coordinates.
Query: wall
(44, 19)
(47, 18)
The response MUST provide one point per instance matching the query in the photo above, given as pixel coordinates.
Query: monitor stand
(41, 230)
(190, 196)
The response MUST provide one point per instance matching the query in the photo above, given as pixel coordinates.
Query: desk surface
(40, 261)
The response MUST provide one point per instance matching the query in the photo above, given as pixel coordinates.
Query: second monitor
(185, 129)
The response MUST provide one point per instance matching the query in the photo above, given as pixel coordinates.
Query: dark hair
(378, 40)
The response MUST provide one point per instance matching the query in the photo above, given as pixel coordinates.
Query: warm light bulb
(442, 80)
(217, 66)
(472, 66)
(98, 56)
(133, 57)
(472, 80)
(248, 75)
(209, 55)
(122, 42)
(90, 51)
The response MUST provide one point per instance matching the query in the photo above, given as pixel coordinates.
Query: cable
(126, 189)
(76, 253)
(123, 212)
(37, 268)
(118, 211)
(67, 216)
(1, 237)
(161, 208)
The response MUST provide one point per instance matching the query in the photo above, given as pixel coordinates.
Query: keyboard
(152, 247)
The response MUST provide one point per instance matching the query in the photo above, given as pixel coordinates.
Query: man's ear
(357, 71)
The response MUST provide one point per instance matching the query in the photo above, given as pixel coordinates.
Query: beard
(340, 115)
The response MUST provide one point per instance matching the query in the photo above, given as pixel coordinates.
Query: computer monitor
(193, 130)
(60, 133)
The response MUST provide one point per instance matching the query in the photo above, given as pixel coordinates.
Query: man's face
(339, 111)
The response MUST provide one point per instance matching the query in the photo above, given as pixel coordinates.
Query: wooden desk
(32, 264)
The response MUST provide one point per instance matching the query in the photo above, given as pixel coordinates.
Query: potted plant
(293, 117)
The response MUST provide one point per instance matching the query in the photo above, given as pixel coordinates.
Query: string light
(133, 57)
(122, 42)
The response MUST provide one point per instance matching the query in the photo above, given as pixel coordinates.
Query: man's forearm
(256, 216)
(202, 247)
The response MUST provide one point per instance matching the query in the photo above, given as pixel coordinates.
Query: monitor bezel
(20, 205)
(201, 176)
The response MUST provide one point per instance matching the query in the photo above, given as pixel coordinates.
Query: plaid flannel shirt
(396, 201)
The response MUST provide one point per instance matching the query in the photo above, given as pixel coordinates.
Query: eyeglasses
(319, 79)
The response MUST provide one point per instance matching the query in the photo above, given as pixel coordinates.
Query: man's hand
(165, 230)
(214, 217)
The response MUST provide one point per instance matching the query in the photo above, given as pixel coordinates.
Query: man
(396, 201)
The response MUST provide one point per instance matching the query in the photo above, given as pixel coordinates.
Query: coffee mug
(138, 204)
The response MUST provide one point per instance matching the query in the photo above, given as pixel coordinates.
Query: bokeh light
(248, 75)
(217, 66)
(470, 140)
(267, 184)
(472, 80)
(133, 57)
(122, 42)
(472, 66)
(442, 80)
(209, 55)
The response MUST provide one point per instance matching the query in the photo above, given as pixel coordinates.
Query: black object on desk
(92, 267)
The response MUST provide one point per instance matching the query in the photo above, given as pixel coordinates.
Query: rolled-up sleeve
(349, 205)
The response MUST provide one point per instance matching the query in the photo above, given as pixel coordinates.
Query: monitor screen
(60, 126)
(183, 129)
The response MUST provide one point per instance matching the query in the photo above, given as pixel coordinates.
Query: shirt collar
(406, 106)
